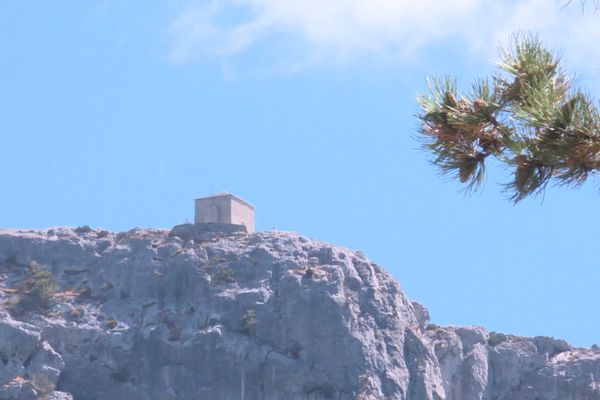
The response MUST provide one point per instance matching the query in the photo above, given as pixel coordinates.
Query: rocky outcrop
(211, 312)
(30, 367)
(479, 365)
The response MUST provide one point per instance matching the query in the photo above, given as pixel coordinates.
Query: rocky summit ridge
(208, 311)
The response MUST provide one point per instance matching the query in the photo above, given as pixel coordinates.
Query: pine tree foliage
(529, 116)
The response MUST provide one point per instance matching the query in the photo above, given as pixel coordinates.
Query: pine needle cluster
(529, 116)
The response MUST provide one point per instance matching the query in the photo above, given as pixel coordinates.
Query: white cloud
(565, 28)
(321, 31)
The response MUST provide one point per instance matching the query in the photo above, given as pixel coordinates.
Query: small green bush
(83, 230)
(224, 275)
(43, 285)
(35, 292)
(39, 290)
(308, 273)
(496, 338)
(249, 320)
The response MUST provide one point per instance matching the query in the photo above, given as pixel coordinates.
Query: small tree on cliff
(528, 116)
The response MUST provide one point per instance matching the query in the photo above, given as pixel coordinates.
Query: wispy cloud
(308, 32)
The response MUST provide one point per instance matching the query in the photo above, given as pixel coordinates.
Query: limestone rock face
(211, 312)
(29, 367)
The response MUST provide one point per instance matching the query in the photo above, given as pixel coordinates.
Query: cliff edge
(210, 312)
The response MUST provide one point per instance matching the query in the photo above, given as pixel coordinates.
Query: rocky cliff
(210, 312)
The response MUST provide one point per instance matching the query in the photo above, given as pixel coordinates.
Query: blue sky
(118, 114)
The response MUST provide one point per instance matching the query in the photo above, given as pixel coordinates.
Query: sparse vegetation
(249, 320)
(217, 258)
(308, 273)
(224, 275)
(35, 292)
(43, 285)
(82, 230)
(496, 338)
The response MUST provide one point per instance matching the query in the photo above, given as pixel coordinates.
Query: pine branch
(528, 116)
